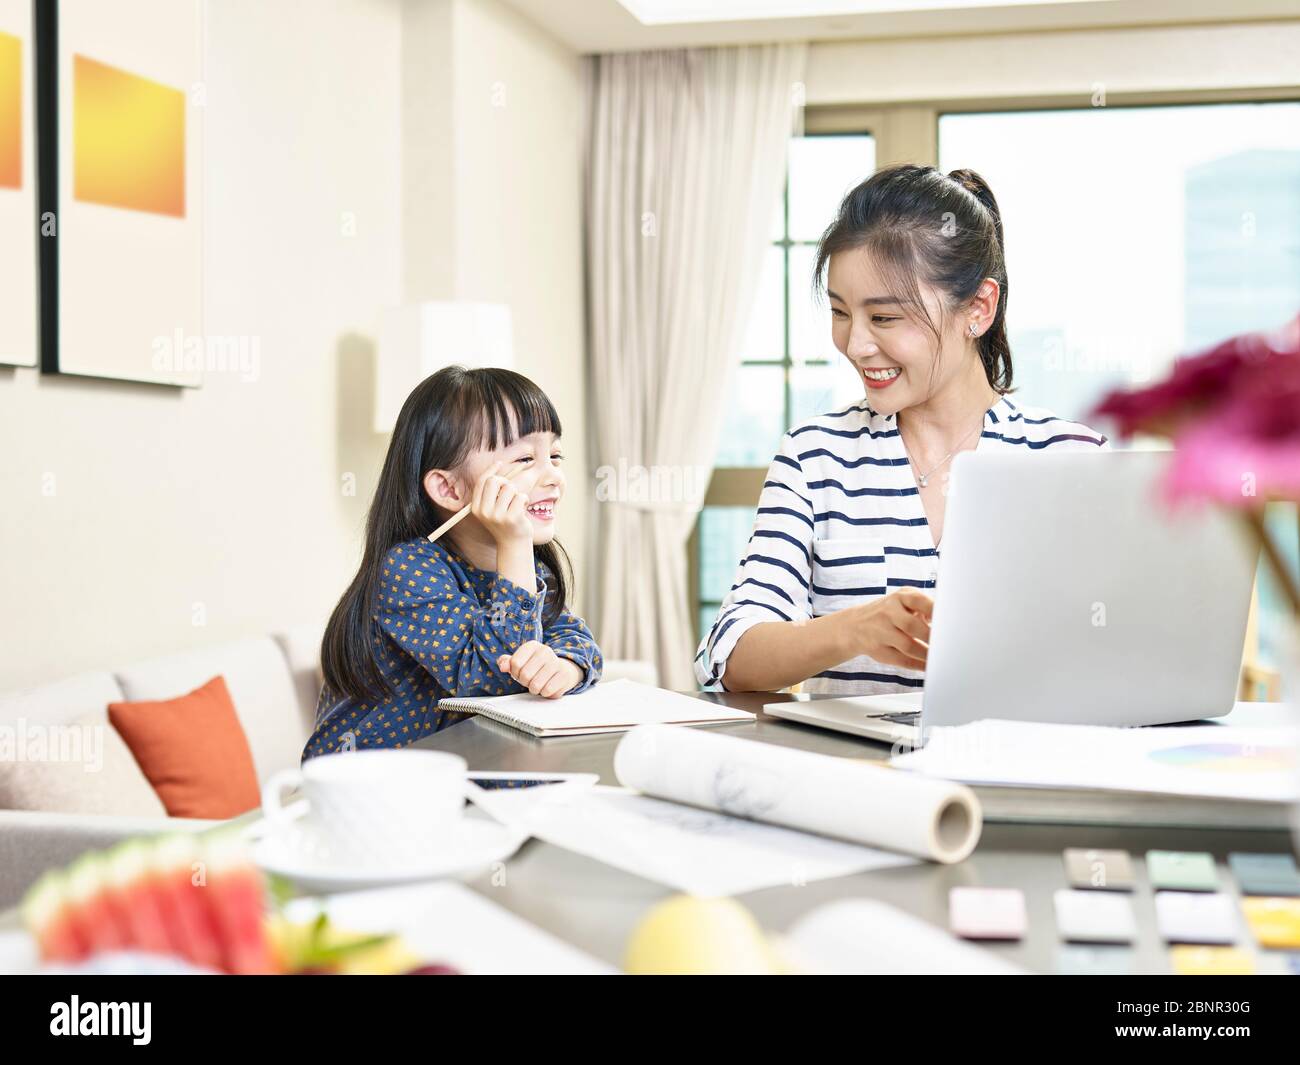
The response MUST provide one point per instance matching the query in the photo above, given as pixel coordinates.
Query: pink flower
(1233, 413)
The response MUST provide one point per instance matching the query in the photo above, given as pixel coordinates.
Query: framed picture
(18, 343)
(119, 122)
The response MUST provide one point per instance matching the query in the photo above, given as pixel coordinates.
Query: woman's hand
(499, 506)
(894, 630)
(541, 670)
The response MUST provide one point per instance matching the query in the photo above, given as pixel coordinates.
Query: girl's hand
(541, 670)
(499, 506)
(894, 630)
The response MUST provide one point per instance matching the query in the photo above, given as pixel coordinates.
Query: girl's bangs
(509, 406)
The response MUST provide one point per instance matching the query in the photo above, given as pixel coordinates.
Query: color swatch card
(1265, 874)
(1182, 871)
(1275, 923)
(1211, 961)
(987, 913)
(1094, 917)
(1196, 917)
(1091, 870)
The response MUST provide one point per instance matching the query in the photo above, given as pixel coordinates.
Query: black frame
(45, 28)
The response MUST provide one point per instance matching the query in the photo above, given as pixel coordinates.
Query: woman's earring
(972, 330)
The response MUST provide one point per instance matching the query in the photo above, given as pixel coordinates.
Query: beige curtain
(686, 156)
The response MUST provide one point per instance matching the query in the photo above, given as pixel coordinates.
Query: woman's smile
(881, 378)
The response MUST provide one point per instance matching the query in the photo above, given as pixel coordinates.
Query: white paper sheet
(449, 923)
(1217, 761)
(865, 937)
(696, 851)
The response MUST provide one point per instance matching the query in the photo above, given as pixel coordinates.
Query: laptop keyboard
(911, 717)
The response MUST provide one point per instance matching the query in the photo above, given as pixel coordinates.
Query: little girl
(482, 611)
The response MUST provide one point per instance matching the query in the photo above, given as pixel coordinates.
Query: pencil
(458, 515)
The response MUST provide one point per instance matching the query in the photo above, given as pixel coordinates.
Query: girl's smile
(543, 510)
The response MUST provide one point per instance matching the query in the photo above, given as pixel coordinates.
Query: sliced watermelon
(48, 917)
(96, 916)
(183, 906)
(132, 891)
(235, 898)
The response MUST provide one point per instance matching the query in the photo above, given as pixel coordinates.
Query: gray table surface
(595, 907)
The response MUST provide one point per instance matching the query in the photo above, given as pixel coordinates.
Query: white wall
(226, 504)
(518, 220)
(499, 219)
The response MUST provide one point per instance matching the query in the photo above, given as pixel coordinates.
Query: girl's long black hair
(919, 223)
(448, 415)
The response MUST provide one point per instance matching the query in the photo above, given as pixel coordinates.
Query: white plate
(18, 953)
(476, 844)
(19, 957)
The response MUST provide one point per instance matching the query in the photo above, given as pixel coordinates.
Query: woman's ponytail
(993, 345)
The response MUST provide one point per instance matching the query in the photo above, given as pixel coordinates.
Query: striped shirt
(841, 523)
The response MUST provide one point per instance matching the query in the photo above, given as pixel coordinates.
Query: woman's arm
(776, 654)
(773, 579)
(748, 650)
(894, 630)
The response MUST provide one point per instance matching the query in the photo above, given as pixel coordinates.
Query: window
(790, 370)
(1134, 234)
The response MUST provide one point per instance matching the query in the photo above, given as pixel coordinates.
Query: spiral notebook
(610, 706)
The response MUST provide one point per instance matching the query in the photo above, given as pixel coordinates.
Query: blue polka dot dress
(438, 627)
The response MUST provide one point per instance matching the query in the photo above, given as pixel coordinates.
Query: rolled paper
(877, 806)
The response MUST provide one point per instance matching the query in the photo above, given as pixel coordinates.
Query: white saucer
(476, 843)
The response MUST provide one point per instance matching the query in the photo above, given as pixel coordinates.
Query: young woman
(850, 521)
(482, 610)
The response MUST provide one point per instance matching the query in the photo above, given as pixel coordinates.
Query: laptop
(1068, 593)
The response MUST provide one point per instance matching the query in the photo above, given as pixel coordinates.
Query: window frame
(742, 485)
(909, 132)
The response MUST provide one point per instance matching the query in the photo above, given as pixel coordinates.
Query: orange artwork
(11, 111)
(128, 140)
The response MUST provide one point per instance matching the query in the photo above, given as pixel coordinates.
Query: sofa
(51, 813)
(65, 809)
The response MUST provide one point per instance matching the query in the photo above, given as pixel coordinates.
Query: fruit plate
(476, 844)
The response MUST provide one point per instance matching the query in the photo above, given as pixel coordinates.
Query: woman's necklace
(923, 479)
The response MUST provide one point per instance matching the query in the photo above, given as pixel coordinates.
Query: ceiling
(607, 26)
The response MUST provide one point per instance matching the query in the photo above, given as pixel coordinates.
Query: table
(595, 907)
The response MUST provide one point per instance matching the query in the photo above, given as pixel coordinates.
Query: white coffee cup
(385, 808)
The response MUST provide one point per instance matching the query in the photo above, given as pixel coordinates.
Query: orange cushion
(193, 750)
